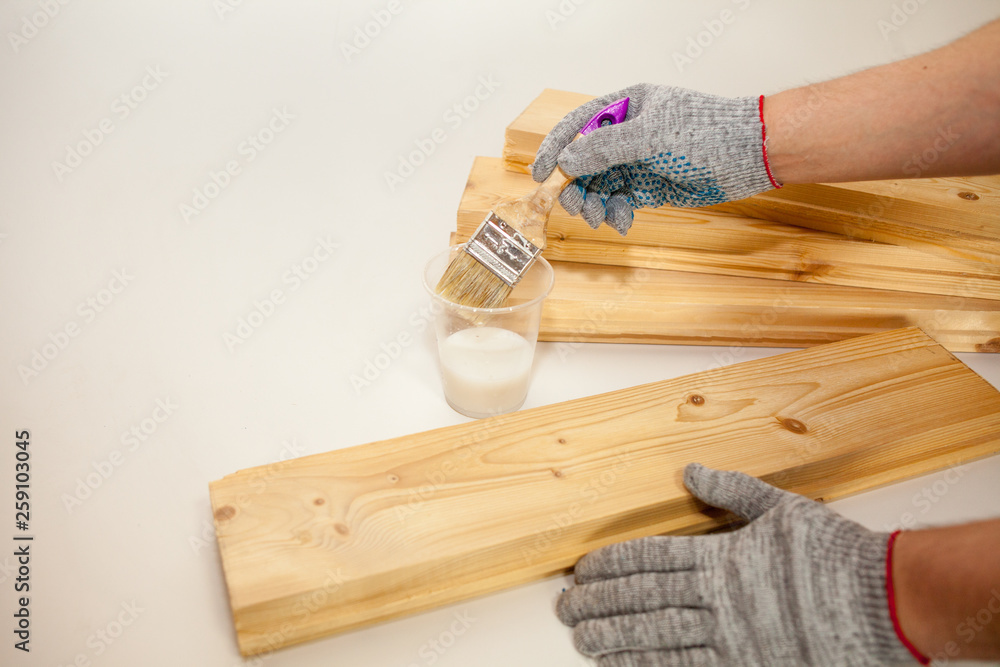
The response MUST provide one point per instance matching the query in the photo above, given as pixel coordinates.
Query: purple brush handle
(612, 114)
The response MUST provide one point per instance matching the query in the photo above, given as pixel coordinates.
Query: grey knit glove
(798, 585)
(676, 146)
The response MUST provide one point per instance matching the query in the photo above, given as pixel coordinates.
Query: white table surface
(163, 95)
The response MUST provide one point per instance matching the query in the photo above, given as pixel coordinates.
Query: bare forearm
(936, 114)
(947, 585)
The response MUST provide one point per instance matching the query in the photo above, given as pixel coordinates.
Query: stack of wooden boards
(792, 267)
(356, 536)
(351, 537)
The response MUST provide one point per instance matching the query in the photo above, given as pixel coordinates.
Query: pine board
(356, 536)
(708, 241)
(612, 304)
(931, 215)
(952, 217)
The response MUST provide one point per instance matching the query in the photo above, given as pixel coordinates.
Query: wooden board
(954, 217)
(707, 241)
(611, 304)
(351, 537)
(931, 215)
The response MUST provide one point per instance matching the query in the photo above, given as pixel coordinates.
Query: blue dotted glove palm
(676, 146)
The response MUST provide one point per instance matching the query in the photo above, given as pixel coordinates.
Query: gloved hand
(799, 585)
(676, 146)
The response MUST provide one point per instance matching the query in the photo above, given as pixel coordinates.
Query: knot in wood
(793, 425)
(225, 513)
(696, 399)
(992, 345)
(971, 196)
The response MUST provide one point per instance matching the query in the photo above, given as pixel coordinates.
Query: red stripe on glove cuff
(763, 143)
(891, 595)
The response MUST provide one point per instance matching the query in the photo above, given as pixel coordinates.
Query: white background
(143, 534)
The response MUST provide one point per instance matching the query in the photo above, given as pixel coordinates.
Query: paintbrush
(506, 244)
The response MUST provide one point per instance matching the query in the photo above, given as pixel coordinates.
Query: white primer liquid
(485, 370)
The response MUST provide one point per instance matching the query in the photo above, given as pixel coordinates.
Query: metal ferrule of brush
(502, 249)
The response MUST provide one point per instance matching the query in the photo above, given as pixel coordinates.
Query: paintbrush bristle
(468, 282)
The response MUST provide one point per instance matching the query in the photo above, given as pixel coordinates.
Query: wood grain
(708, 241)
(931, 215)
(613, 304)
(952, 217)
(351, 537)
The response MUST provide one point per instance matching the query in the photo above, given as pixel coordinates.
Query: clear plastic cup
(485, 354)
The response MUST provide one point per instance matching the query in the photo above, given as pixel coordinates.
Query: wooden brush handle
(552, 186)
(530, 214)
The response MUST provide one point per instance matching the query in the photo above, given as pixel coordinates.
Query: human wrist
(916, 623)
(946, 580)
(812, 137)
(784, 157)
